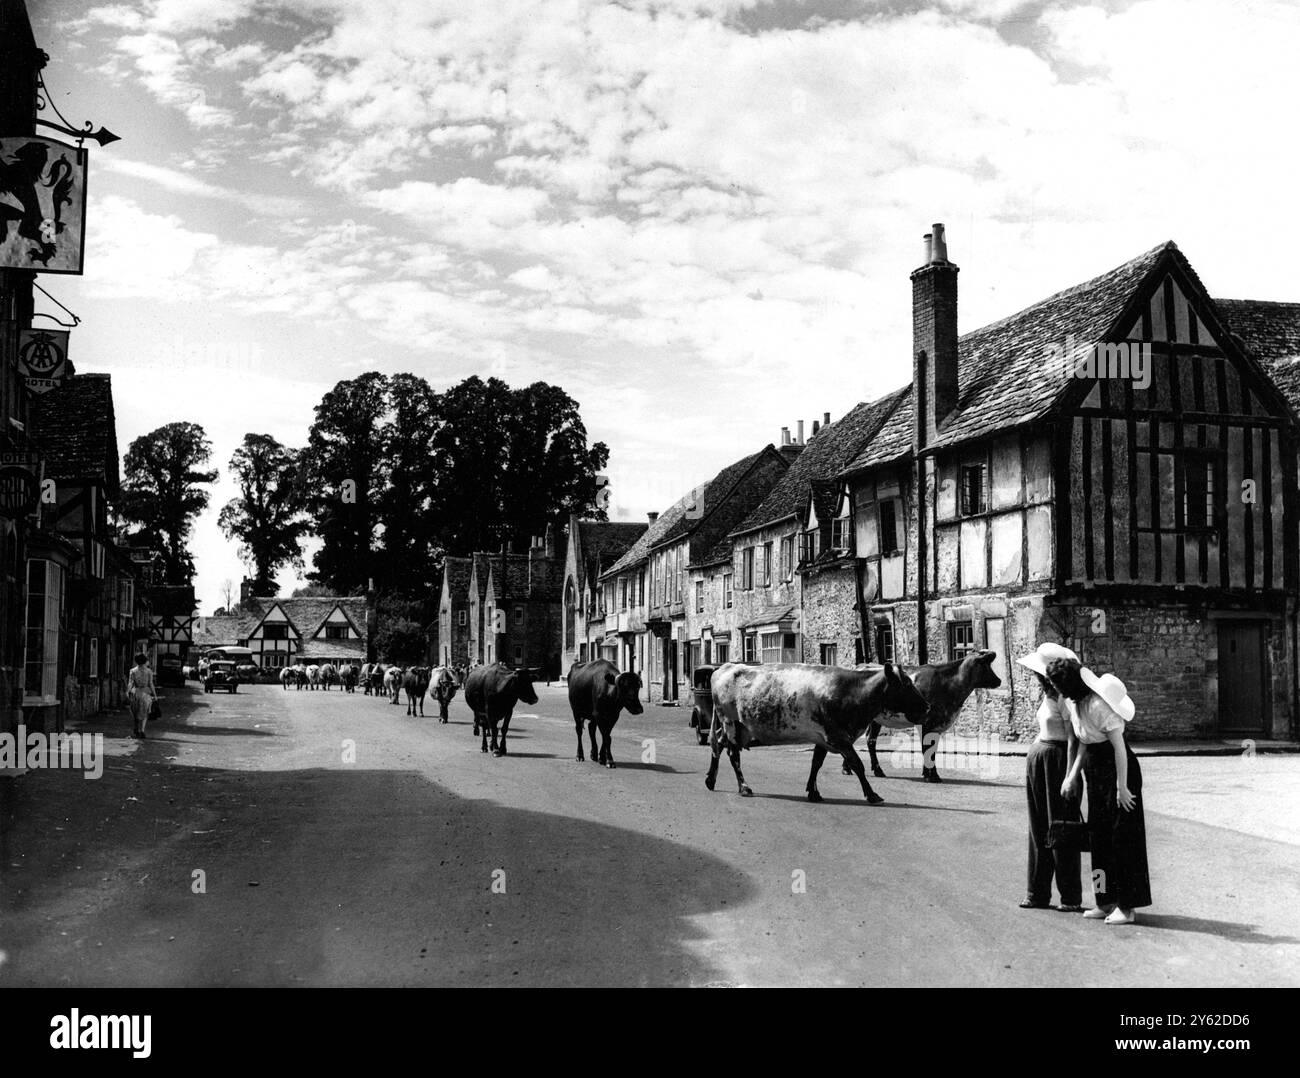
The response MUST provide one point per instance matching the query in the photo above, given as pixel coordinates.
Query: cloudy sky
(698, 216)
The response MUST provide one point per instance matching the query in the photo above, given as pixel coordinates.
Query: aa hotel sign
(42, 204)
(43, 357)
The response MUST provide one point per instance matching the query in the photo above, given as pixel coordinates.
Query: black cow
(492, 692)
(597, 693)
(416, 683)
(945, 687)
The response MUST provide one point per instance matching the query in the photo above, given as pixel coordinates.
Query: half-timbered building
(1112, 468)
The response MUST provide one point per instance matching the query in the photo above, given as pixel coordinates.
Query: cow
(416, 683)
(945, 687)
(797, 703)
(328, 676)
(350, 675)
(393, 684)
(365, 677)
(597, 693)
(443, 683)
(287, 676)
(377, 679)
(313, 677)
(492, 692)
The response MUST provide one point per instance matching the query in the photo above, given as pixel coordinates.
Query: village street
(381, 871)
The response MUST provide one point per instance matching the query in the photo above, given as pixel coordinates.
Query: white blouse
(1093, 719)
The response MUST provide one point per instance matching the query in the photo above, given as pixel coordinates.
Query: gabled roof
(1003, 379)
(307, 613)
(681, 519)
(479, 569)
(76, 430)
(821, 461)
(602, 543)
(456, 573)
(222, 630)
(1271, 332)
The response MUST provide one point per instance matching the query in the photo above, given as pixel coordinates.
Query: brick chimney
(934, 335)
(788, 448)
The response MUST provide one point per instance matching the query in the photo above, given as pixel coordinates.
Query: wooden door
(1243, 674)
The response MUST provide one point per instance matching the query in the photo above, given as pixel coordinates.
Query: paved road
(380, 871)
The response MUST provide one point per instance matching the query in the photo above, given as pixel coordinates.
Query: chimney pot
(940, 252)
(799, 428)
(785, 435)
(653, 517)
(826, 419)
(816, 427)
(928, 240)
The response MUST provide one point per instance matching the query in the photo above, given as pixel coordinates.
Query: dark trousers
(1118, 838)
(1044, 772)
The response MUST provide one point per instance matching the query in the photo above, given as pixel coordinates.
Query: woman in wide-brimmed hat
(1046, 765)
(1100, 710)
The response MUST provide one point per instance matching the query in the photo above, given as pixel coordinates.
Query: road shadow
(864, 803)
(1232, 931)
(637, 765)
(356, 878)
(156, 731)
(529, 755)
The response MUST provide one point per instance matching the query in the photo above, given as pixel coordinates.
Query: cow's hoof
(932, 776)
(814, 795)
(745, 791)
(878, 772)
(483, 749)
(875, 799)
(610, 764)
(709, 782)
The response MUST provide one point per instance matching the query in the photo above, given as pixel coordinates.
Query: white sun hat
(1112, 690)
(1038, 659)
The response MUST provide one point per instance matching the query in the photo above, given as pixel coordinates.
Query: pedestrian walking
(1046, 766)
(140, 694)
(1100, 710)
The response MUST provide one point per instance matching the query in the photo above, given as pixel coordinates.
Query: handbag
(155, 712)
(1068, 836)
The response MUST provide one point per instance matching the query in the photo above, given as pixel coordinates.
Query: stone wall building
(453, 613)
(593, 546)
(522, 608)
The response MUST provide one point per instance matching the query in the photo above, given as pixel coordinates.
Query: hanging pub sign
(43, 357)
(42, 204)
(20, 483)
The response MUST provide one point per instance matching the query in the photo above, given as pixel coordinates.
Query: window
(273, 631)
(809, 547)
(1198, 491)
(274, 659)
(859, 656)
(44, 612)
(961, 639)
(720, 652)
(519, 615)
(828, 654)
(787, 558)
(728, 597)
(751, 648)
(699, 597)
(640, 588)
(681, 574)
(747, 569)
(840, 534)
(519, 655)
(973, 499)
(767, 565)
(889, 526)
(771, 648)
(461, 618)
(885, 643)
(622, 593)
(336, 632)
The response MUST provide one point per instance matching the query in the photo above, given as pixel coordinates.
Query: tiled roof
(223, 630)
(603, 543)
(320, 650)
(1271, 332)
(821, 460)
(1003, 381)
(682, 517)
(308, 613)
(770, 615)
(75, 427)
(457, 573)
(480, 569)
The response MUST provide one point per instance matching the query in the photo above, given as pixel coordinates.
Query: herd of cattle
(828, 707)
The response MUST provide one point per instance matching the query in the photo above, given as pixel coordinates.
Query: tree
(342, 475)
(411, 555)
(402, 642)
(163, 492)
(267, 517)
(228, 589)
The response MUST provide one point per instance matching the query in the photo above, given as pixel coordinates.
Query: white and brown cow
(442, 683)
(789, 704)
(945, 687)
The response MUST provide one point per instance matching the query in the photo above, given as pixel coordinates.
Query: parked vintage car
(170, 670)
(221, 675)
(702, 702)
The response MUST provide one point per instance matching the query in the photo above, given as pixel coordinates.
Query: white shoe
(1099, 913)
(1121, 917)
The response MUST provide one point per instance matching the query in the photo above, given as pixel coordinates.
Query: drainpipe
(859, 575)
(919, 405)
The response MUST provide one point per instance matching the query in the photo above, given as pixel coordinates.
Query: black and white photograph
(651, 494)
